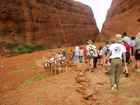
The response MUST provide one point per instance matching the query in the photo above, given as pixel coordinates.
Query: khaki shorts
(90, 57)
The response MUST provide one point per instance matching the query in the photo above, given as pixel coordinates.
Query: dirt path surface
(73, 87)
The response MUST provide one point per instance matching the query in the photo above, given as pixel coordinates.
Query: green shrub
(34, 43)
(0, 46)
(3, 43)
(48, 47)
(30, 48)
(10, 46)
(21, 50)
(14, 51)
(15, 44)
(39, 47)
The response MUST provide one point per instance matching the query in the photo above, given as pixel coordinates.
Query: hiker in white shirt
(116, 51)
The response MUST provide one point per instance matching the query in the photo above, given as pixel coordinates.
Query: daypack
(107, 50)
(91, 50)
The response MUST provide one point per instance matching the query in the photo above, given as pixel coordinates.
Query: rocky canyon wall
(123, 16)
(55, 22)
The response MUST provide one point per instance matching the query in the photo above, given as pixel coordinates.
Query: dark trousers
(95, 62)
(132, 51)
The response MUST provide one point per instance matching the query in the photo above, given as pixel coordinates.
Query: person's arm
(107, 57)
(95, 51)
(124, 57)
(130, 53)
(135, 46)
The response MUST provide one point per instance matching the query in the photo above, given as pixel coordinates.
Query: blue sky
(99, 8)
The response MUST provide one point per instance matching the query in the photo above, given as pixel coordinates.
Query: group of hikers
(115, 57)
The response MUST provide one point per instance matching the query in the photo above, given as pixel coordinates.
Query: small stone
(94, 97)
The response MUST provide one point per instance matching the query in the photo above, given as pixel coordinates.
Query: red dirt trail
(62, 89)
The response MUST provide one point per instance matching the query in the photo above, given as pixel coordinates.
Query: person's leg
(126, 68)
(91, 64)
(88, 64)
(85, 58)
(136, 58)
(77, 58)
(101, 59)
(106, 69)
(137, 61)
(118, 72)
(132, 50)
(112, 72)
(94, 62)
(81, 57)
(107, 65)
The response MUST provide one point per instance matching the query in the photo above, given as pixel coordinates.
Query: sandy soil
(93, 88)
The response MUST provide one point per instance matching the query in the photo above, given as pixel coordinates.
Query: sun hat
(118, 38)
(138, 34)
(90, 41)
(76, 47)
(125, 40)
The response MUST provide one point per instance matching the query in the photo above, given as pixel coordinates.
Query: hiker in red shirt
(128, 48)
(85, 55)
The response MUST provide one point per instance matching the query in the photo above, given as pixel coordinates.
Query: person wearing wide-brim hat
(89, 41)
(137, 52)
(128, 49)
(116, 50)
(90, 54)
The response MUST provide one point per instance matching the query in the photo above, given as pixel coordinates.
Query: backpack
(107, 50)
(91, 50)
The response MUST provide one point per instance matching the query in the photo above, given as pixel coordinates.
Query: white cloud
(99, 8)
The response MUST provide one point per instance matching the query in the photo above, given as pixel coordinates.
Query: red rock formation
(55, 22)
(123, 16)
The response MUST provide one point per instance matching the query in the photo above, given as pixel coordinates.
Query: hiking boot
(87, 69)
(127, 74)
(106, 72)
(92, 70)
(114, 87)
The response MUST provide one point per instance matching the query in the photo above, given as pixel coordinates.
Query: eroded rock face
(123, 16)
(55, 22)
